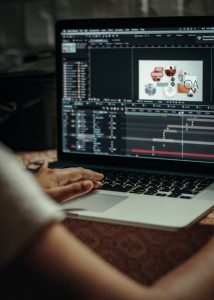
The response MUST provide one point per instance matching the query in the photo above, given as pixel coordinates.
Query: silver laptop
(135, 102)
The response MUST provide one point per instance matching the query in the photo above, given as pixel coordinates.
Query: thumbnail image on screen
(178, 80)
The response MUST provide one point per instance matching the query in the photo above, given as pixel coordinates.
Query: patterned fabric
(142, 254)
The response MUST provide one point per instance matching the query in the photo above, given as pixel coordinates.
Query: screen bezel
(117, 161)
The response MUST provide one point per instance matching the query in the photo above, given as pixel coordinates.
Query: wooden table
(143, 254)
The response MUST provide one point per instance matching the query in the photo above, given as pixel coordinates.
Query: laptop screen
(137, 88)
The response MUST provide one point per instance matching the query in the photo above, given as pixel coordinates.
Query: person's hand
(64, 184)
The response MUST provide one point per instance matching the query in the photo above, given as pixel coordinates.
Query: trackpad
(94, 202)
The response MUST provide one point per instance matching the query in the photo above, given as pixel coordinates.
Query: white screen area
(176, 80)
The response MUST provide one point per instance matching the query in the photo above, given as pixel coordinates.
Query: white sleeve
(24, 208)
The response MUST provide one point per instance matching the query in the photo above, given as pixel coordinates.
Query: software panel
(139, 92)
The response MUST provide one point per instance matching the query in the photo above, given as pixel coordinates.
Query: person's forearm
(194, 279)
(59, 256)
(62, 258)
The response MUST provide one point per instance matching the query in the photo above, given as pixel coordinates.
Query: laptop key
(185, 197)
(161, 194)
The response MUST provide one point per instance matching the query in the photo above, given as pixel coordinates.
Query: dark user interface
(138, 92)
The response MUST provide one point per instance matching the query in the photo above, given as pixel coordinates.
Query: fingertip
(97, 184)
(100, 176)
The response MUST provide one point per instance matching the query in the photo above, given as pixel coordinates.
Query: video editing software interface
(138, 92)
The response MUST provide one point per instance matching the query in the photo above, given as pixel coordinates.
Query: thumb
(69, 191)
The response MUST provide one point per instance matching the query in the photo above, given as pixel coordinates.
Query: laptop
(135, 101)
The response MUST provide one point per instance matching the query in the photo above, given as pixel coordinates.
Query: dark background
(27, 67)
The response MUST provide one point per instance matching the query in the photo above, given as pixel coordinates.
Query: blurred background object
(27, 70)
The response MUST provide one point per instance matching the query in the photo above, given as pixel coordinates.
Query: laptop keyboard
(163, 185)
